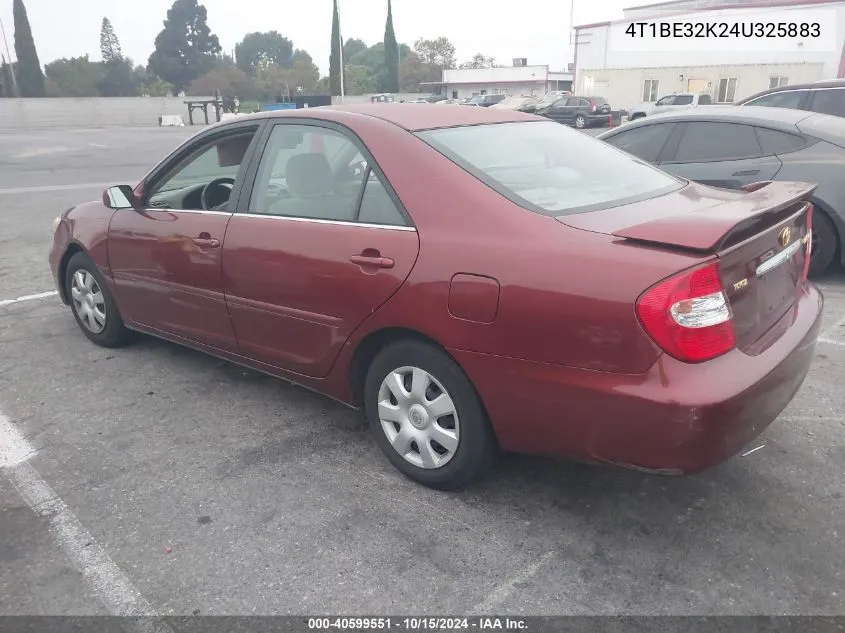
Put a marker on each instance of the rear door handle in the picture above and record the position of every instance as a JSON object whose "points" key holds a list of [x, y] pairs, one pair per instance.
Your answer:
{"points": [[378, 262], [207, 242], [750, 172]]}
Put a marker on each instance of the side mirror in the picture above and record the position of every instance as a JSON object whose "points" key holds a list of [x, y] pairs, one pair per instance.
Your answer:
{"points": [[119, 197]]}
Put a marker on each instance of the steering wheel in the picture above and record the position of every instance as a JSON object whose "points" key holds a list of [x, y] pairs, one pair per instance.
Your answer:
{"points": [[217, 182]]}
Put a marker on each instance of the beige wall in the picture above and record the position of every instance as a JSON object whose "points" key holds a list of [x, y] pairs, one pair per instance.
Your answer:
{"points": [[623, 88]]}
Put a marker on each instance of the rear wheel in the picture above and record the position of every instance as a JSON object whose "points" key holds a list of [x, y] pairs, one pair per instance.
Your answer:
{"points": [[426, 416], [824, 243], [92, 303]]}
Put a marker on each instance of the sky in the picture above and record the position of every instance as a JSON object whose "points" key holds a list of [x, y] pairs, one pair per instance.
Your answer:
{"points": [[540, 33]]}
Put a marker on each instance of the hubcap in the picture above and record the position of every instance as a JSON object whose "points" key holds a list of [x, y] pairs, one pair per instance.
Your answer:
{"points": [[579, 122], [418, 417], [88, 301]]}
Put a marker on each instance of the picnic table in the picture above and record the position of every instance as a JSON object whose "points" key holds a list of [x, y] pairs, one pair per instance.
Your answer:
{"points": [[202, 104]]}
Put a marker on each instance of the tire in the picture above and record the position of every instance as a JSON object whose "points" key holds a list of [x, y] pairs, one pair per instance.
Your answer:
{"points": [[106, 330], [472, 448], [580, 122], [824, 243]]}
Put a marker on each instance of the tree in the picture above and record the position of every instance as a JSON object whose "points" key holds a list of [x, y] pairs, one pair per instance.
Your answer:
{"points": [[75, 76], [29, 74], [185, 49], [119, 79], [300, 55], [258, 50], [231, 81], [391, 54], [359, 80], [334, 57], [149, 85], [439, 52], [413, 72], [479, 61], [373, 58], [352, 47], [7, 80], [109, 44]]}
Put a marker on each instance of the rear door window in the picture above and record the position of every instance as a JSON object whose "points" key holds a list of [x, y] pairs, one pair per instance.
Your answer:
{"points": [[683, 100], [707, 141], [705, 100], [643, 142], [829, 101]]}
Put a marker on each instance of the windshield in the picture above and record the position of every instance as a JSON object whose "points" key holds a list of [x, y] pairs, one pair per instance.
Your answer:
{"points": [[549, 168]]}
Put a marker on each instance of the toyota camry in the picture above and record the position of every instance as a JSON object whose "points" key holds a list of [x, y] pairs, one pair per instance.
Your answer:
{"points": [[476, 280]]}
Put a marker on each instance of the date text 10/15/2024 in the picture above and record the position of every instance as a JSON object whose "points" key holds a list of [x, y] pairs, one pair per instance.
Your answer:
{"points": [[417, 624]]}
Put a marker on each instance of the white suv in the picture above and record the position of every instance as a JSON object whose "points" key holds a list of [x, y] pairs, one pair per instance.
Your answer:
{"points": [[670, 102]]}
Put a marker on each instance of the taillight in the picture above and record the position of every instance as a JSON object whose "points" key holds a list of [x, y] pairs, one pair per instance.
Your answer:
{"points": [[688, 315], [808, 238]]}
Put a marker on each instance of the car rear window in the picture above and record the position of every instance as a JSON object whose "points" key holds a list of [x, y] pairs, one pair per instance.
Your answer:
{"points": [[549, 168]]}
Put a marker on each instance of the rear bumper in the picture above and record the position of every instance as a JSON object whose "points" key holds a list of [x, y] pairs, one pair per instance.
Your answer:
{"points": [[676, 418]]}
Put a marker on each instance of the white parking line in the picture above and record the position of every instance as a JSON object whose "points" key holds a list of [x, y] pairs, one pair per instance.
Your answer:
{"points": [[40, 295], [495, 598], [111, 585]]}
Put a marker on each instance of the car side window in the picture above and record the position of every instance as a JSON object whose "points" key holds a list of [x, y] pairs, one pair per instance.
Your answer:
{"points": [[313, 172], [307, 172], [643, 142], [667, 100], [777, 142], [829, 101], [705, 99], [377, 207], [182, 184], [707, 141], [683, 100], [790, 99]]}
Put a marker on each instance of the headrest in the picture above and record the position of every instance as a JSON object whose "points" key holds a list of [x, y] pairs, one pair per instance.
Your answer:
{"points": [[308, 175]]}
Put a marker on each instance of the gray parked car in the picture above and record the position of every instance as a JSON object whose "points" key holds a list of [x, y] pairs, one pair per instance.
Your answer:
{"points": [[735, 146]]}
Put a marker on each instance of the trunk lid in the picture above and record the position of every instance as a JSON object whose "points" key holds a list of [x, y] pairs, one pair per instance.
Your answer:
{"points": [[759, 236]]}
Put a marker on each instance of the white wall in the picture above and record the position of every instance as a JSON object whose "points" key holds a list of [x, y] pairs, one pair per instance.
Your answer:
{"points": [[509, 74], [512, 89], [623, 88], [609, 46], [94, 112]]}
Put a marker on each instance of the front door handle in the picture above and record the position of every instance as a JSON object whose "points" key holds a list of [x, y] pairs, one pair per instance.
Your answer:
{"points": [[750, 172], [372, 261], [207, 242]]}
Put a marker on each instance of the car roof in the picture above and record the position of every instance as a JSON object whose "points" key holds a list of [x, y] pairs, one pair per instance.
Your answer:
{"points": [[815, 85], [413, 117], [760, 115]]}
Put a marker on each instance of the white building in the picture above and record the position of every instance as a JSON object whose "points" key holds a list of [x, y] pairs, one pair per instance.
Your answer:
{"points": [[622, 61], [517, 80]]}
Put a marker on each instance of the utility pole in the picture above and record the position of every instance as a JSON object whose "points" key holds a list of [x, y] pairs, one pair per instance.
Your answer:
{"points": [[11, 65], [340, 48]]}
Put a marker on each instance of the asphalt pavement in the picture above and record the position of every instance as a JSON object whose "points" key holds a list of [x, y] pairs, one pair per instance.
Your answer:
{"points": [[154, 479]]}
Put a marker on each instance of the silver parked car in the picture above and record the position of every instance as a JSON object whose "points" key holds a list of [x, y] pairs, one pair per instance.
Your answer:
{"points": [[735, 146]]}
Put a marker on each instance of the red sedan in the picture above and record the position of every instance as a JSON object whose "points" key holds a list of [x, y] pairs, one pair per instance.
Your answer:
{"points": [[477, 279]]}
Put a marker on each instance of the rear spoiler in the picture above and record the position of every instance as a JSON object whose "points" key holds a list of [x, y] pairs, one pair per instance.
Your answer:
{"points": [[720, 226]]}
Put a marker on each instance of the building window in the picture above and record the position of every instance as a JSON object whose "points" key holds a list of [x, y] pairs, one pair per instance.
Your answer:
{"points": [[650, 87], [777, 82], [454, 94], [727, 90]]}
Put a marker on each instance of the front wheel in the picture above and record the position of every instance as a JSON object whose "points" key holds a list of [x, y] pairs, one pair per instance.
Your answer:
{"points": [[580, 121], [426, 416], [92, 303]]}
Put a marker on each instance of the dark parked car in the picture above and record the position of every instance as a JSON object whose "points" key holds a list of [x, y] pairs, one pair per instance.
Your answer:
{"points": [[732, 147], [555, 296], [578, 111], [824, 97]]}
